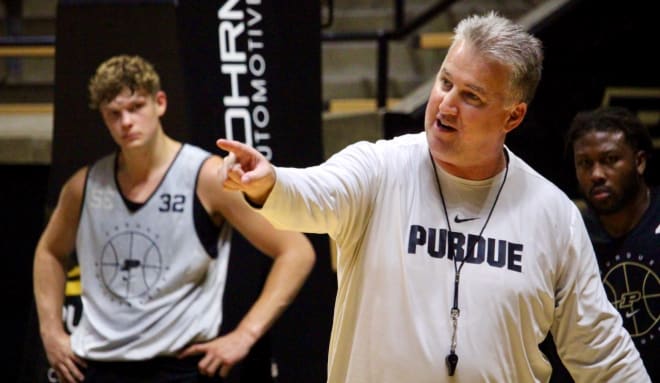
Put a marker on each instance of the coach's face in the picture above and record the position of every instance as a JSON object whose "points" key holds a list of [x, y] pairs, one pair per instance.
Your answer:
{"points": [[470, 110]]}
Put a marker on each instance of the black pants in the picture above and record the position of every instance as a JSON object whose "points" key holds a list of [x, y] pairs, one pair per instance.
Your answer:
{"points": [[157, 370]]}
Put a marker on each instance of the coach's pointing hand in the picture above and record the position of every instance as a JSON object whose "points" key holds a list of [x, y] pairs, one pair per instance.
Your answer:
{"points": [[247, 170]]}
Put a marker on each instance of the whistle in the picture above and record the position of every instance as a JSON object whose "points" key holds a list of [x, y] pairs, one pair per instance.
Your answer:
{"points": [[452, 361]]}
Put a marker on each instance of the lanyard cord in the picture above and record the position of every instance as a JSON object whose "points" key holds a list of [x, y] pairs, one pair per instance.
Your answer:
{"points": [[452, 358]]}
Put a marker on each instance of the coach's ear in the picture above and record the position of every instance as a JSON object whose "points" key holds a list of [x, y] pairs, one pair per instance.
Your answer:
{"points": [[516, 115]]}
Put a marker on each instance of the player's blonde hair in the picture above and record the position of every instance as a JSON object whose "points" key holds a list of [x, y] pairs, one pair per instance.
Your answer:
{"points": [[119, 72]]}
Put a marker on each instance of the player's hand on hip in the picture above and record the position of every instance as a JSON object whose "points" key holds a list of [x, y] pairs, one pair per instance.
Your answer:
{"points": [[62, 359], [247, 170], [220, 354]]}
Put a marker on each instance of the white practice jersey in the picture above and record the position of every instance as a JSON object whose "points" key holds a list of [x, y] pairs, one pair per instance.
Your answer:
{"points": [[149, 286], [532, 271]]}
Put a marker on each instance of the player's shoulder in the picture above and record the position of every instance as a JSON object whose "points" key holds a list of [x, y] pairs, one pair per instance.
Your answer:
{"points": [[192, 155], [208, 178], [74, 186]]}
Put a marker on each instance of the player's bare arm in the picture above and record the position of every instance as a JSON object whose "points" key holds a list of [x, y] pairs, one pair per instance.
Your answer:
{"points": [[50, 267], [293, 260]]}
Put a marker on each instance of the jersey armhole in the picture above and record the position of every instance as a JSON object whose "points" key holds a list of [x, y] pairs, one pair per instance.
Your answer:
{"points": [[207, 231]]}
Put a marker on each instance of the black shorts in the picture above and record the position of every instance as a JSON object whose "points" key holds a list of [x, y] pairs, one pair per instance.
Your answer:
{"points": [[157, 370]]}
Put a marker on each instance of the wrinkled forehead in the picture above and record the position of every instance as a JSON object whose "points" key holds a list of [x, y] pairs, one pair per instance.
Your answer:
{"points": [[467, 66]]}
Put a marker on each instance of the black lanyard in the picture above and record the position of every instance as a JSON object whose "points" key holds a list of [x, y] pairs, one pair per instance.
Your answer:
{"points": [[452, 358]]}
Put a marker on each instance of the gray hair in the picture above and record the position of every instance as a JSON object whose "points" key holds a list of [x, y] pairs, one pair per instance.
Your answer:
{"points": [[508, 43]]}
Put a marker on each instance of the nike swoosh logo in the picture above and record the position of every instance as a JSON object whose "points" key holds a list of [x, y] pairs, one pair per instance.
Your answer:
{"points": [[461, 220], [631, 314]]}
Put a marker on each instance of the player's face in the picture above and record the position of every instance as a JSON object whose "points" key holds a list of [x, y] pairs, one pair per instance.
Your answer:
{"points": [[470, 110], [133, 118], [608, 170]]}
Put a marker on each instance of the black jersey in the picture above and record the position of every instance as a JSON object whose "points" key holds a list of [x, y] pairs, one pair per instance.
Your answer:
{"points": [[630, 269]]}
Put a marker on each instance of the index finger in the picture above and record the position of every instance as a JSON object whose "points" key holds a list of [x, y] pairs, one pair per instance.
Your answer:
{"points": [[230, 145]]}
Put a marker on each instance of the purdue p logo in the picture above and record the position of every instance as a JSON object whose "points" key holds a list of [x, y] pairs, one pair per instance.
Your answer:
{"points": [[633, 288]]}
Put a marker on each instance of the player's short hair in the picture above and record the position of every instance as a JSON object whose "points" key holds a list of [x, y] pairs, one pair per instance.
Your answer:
{"points": [[120, 72], [610, 119]]}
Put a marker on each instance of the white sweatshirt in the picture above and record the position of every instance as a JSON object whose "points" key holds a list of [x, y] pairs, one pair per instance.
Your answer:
{"points": [[533, 271]]}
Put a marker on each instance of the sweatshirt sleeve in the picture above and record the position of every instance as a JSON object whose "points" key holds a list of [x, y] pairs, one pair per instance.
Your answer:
{"points": [[334, 198], [588, 331]]}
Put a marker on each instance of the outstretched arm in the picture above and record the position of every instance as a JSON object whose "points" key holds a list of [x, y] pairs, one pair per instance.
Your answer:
{"points": [[293, 260], [50, 262], [247, 170]]}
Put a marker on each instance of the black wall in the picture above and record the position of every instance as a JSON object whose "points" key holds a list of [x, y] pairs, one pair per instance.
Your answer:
{"points": [[23, 193]]}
